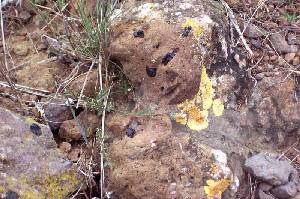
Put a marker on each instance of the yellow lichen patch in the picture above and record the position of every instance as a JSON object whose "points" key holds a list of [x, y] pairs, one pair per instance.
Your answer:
{"points": [[196, 27], [206, 90], [29, 120], [58, 187], [194, 112], [214, 189], [218, 107]]}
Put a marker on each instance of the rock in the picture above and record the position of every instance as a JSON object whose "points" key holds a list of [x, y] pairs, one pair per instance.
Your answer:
{"points": [[89, 122], [74, 154], [252, 31], [289, 57], [31, 165], [265, 187], [259, 76], [255, 43], [293, 39], [296, 61], [285, 191], [57, 112], [263, 195], [65, 147], [269, 169], [90, 89], [281, 45], [25, 16]]}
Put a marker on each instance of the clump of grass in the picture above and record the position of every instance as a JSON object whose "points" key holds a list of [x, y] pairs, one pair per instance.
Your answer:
{"points": [[95, 36], [290, 18], [98, 103]]}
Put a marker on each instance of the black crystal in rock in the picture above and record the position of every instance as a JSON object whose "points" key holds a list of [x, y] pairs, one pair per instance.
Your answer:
{"points": [[186, 31], [130, 132], [151, 72], [138, 34], [35, 129]]}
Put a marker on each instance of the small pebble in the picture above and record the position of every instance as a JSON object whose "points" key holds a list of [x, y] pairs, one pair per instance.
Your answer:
{"points": [[11, 195], [289, 57], [130, 132], [255, 43], [35, 129], [296, 61], [151, 72], [259, 76], [139, 34]]}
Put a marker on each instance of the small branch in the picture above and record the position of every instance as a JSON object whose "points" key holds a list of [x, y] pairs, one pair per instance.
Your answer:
{"points": [[236, 26]]}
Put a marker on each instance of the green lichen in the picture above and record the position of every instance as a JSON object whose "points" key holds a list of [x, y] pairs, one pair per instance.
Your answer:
{"points": [[49, 187]]}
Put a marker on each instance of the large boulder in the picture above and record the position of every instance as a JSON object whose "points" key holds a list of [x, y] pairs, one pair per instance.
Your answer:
{"points": [[31, 165]]}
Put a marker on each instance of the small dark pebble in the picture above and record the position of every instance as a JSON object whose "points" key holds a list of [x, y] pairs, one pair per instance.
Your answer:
{"points": [[35, 129], [11, 195], [151, 72], [169, 56], [139, 34], [130, 132], [186, 31], [256, 43]]}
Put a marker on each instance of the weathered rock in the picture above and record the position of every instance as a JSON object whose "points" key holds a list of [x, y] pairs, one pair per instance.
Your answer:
{"points": [[65, 147], [254, 31], [263, 195], [269, 169], [281, 45], [90, 89], [56, 112], [89, 122], [285, 191], [289, 57], [30, 163]]}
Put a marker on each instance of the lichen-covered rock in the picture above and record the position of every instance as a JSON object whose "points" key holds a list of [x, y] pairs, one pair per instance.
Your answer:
{"points": [[31, 165]]}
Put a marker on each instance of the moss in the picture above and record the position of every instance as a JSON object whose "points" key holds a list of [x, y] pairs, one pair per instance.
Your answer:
{"points": [[194, 112]]}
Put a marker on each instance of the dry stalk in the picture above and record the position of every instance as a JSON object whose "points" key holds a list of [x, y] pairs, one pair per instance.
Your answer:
{"points": [[236, 26]]}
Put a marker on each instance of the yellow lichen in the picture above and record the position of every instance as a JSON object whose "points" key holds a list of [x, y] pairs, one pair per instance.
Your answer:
{"points": [[58, 187], [206, 90], [194, 112], [196, 27], [218, 107], [214, 189], [29, 120]]}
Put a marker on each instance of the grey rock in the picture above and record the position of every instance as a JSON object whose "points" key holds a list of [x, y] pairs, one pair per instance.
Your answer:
{"points": [[263, 195], [265, 187], [281, 45], [269, 169], [255, 43], [253, 31], [259, 76], [30, 164], [285, 191], [56, 112]]}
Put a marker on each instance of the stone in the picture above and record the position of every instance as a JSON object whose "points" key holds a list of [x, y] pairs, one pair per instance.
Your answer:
{"points": [[263, 195], [293, 39], [31, 166], [269, 169], [285, 191], [25, 16], [289, 57], [281, 45], [296, 61], [65, 147], [255, 43], [74, 154], [56, 112], [259, 76], [253, 31], [89, 122], [90, 89]]}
